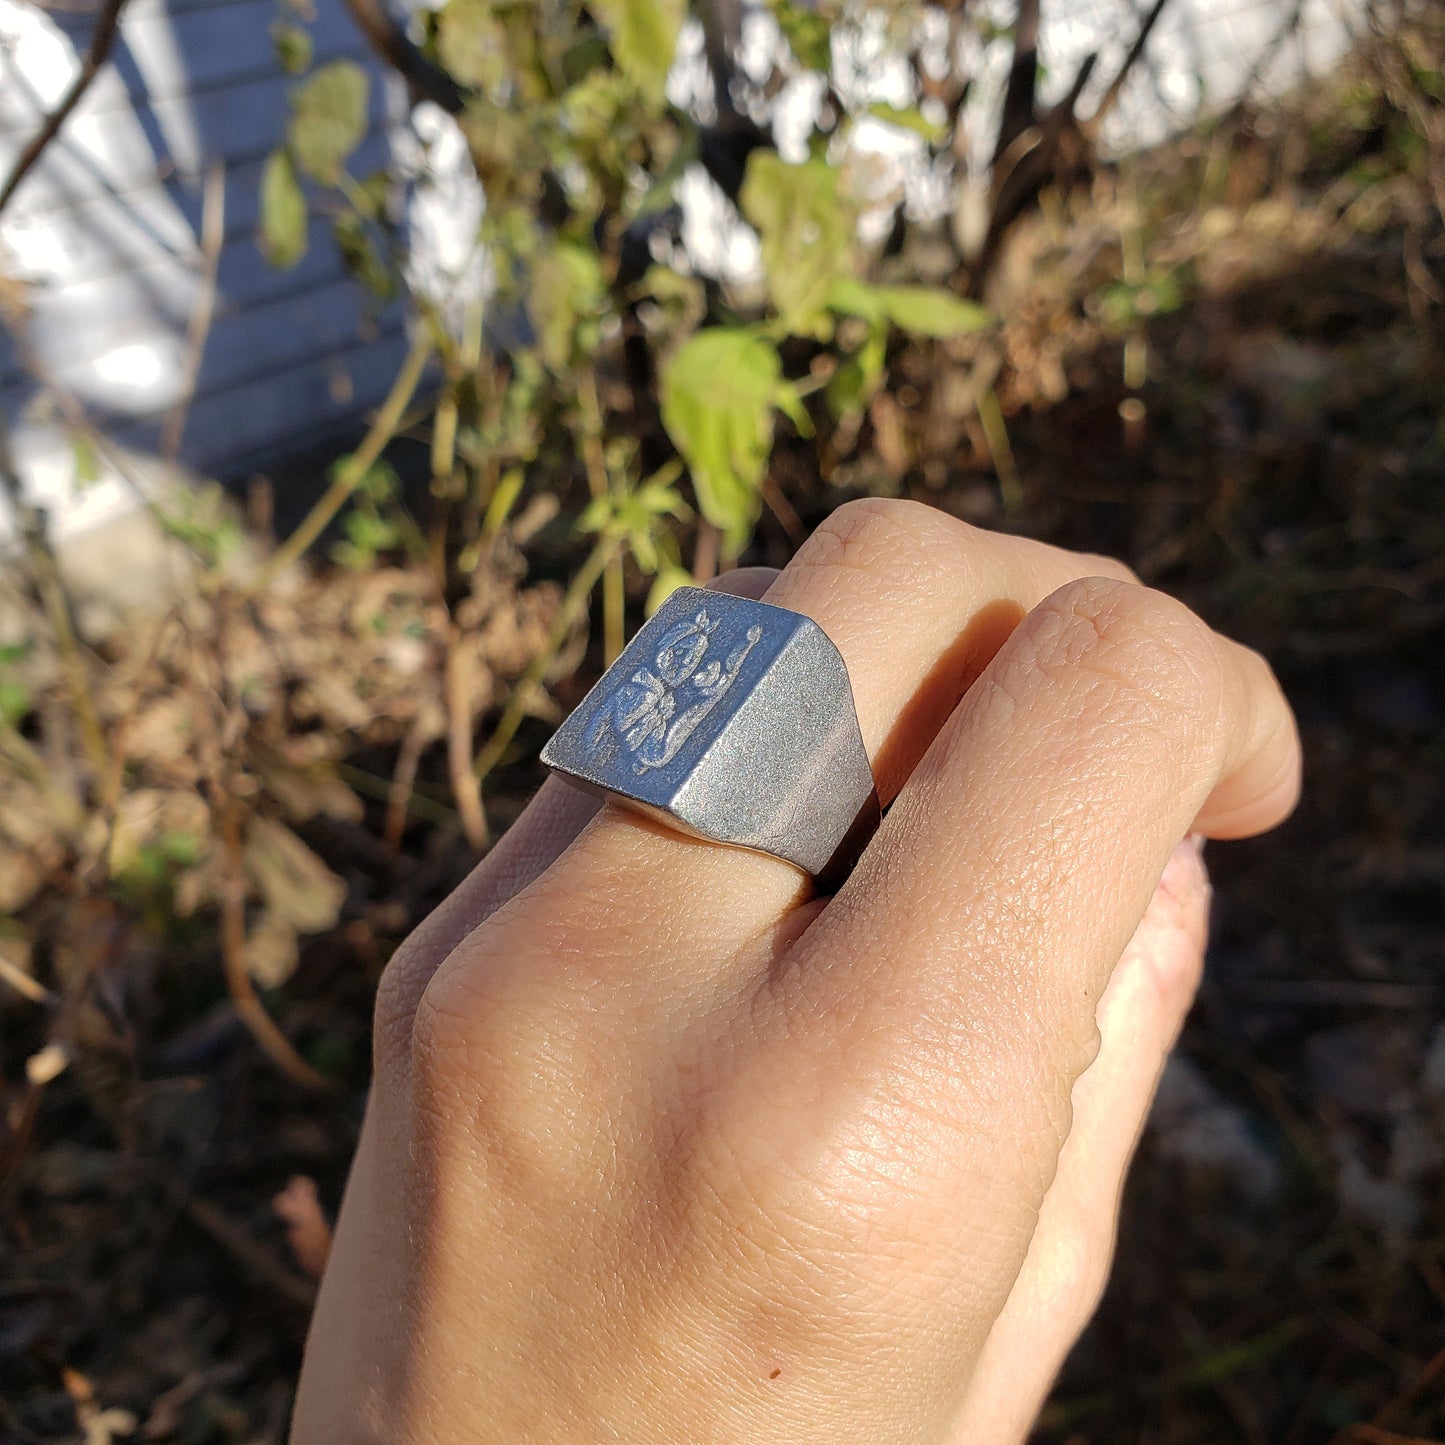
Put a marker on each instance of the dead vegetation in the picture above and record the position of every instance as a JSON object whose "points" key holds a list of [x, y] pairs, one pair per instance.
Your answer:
{"points": [[1224, 361]]}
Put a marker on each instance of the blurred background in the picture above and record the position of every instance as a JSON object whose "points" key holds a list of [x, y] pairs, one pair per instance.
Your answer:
{"points": [[366, 376]]}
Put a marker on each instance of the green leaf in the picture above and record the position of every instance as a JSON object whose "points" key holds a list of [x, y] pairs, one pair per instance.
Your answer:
{"points": [[15, 702], [471, 43], [87, 460], [852, 297], [670, 576], [718, 394], [852, 386], [921, 310], [328, 119], [367, 534], [362, 257], [907, 118], [808, 33], [567, 299], [372, 195], [643, 35], [638, 516], [283, 212], [931, 311], [806, 234], [293, 47]]}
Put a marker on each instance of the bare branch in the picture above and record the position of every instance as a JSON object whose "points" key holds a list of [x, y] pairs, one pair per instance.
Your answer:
{"points": [[1018, 101], [213, 236], [722, 29], [427, 80], [1111, 95], [102, 39]]}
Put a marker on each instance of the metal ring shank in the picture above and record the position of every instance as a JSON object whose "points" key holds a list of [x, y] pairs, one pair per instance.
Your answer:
{"points": [[731, 720]]}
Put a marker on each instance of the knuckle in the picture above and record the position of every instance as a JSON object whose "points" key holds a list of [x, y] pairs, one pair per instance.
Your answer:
{"points": [[878, 534], [398, 992], [1151, 653], [504, 1071]]}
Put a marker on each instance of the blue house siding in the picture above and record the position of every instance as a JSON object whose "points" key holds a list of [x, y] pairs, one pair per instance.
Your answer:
{"points": [[105, 234]]}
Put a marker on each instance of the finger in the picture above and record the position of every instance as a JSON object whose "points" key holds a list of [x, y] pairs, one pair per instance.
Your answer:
{"points": [[544, 829], [916, 602], [943, 1005], [1067, 1265]]}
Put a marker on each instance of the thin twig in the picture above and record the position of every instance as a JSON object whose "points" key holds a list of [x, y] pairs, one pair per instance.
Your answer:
{"points": [[353, 471], [264, 1029], [259, 1263], [25, 985], [1111, 95], [418, 804], [1017, 114], [22, 755], [220, 745], [1428, 1378], [705, 554], [403, 780], [102, 39], [466, 786], [75, 414], [995, 431], [572, 604], [1374, 1435], [213, 236], [779, 505], [594, 459], [426, 80]]}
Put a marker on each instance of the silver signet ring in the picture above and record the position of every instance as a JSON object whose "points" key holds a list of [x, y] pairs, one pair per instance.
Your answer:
{"points": [[731, 720]]}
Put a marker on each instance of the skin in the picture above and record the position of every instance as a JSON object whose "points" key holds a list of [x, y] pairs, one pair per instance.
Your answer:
{"points": [[662, 1148]]}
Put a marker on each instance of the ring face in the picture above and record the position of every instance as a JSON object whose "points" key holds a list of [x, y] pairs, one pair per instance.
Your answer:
{"points": [[731, 720]]}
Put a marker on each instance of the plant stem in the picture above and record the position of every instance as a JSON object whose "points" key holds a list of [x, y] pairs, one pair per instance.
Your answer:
{"points": [[351, 474], [251, 1011], [466, 785], [996, 434], [102, 40], [19, 754], [50, 589], [426, 808], [614, 603], [605, 550], [614, 595], [198, 328]]}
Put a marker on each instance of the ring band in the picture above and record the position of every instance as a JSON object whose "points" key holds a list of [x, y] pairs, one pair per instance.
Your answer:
{"points": [[731, 720]]}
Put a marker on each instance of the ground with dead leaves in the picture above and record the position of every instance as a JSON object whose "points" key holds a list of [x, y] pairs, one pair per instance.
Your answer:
{"points": [[1224, 363]]}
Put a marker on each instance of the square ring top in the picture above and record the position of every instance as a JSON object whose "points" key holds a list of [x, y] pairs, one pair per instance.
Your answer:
{"points": [[733, 720]]}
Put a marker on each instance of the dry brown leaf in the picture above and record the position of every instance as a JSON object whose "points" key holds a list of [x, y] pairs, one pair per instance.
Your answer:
{"points": [[296, 887], [21, 877], [307, 1231], [272, 951], [47, 1064], [147, 816], [304, 790]]}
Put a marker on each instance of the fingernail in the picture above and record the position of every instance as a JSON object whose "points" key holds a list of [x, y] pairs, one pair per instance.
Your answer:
{"points": [[1196, 841]]}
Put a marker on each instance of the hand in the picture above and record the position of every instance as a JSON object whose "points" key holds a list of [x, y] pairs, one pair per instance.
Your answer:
{"points": [[662, 1148]]}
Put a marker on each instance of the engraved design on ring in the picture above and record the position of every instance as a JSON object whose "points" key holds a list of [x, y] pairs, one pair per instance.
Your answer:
{"points": [[645, 714], [730, 720]]}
